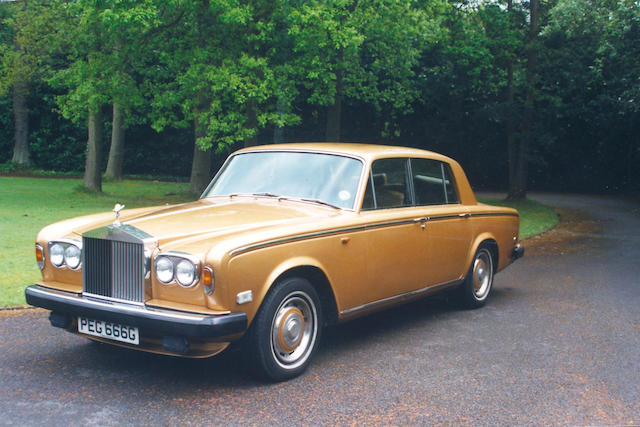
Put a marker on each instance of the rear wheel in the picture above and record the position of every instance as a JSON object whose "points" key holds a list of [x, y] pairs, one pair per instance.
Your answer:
{"points": [[286, 331], [476, 287]]}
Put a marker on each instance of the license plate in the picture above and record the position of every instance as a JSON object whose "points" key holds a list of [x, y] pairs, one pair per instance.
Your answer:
{"points": [[112, 331]]}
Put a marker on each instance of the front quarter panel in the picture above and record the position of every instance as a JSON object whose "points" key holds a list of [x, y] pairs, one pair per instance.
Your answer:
{"points": [[342, 263]]}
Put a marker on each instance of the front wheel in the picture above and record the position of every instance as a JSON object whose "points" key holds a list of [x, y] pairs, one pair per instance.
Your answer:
{"points": [[286, 331], [476, 287]]}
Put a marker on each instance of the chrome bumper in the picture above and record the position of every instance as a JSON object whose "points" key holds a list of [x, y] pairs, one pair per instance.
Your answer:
{"points": [[159, 321], [518, 252]]}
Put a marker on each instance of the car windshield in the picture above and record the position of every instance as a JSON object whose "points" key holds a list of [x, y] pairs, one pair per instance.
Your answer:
{"points": [[315, 177]]}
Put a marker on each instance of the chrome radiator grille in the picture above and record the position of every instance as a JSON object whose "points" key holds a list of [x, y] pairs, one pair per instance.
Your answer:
{"points": [[113, 269]]}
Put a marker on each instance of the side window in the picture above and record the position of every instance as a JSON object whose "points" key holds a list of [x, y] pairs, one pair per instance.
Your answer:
{"points": [[452, 193], [390, 183], [367, 201], [433, 182]]}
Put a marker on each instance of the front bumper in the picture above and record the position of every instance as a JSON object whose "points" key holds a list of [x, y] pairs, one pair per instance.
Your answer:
{"points": [[158, 321]]}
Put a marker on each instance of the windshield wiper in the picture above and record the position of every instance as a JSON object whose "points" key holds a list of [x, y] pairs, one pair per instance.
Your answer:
{"points": [[265, 194], [321, 202]]}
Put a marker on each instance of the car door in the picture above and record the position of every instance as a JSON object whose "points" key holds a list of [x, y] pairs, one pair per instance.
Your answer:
{"points": [[448, 229], [396, 241]]}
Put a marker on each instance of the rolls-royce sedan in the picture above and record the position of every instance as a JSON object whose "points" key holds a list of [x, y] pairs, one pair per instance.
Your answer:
{"points": [[286, 239]]}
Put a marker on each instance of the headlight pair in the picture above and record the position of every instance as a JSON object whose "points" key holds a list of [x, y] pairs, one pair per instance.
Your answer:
{"points": [[178, 268], [67, 253]]}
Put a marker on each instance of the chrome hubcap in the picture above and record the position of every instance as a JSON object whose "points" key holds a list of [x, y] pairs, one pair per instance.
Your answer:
{"points": [[482, 274], [293, 330], [290, 329]]}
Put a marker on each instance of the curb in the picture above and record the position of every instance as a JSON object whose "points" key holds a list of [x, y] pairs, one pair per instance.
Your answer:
{"points": [[18, 307]]}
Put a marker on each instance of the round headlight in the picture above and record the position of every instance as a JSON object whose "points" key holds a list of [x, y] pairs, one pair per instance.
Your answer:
{"points": [[56, 253], [164, 269], [72, 256], [185, 273]]}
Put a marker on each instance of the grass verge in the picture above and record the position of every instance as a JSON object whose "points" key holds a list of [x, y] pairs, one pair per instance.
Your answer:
{"points": [[28, 204], [535, 218]]}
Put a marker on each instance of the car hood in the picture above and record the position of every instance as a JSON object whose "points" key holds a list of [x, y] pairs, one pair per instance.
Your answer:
{"points": [[199, 225]]}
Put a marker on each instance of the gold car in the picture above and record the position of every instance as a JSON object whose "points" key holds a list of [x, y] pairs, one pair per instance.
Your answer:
{"points": [[286, 239]]}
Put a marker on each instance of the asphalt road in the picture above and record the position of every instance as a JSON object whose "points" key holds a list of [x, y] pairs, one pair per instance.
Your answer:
{"points": [[558, 343]]}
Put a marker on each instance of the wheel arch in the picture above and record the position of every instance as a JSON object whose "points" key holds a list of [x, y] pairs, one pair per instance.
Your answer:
{"points": [[315, 274], [320, 282], [488, 240]]}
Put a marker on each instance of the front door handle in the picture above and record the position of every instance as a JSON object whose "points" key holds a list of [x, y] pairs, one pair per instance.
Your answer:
{"points": [[423, 220], [464, 215]]}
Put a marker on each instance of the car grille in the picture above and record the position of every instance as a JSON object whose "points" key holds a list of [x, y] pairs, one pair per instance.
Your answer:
{"points": [[113, 269]]}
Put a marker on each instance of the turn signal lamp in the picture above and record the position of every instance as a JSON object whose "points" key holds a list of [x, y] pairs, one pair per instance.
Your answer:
{"points": [[40, 256], [207, 280]]}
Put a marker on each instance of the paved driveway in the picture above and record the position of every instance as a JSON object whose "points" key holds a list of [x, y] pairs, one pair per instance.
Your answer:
{"points": [[559, 343]]}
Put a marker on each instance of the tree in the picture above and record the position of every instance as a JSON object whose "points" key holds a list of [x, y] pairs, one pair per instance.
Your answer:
{"points": [[25, 50], [589, 72], [518, 187], [104, 44], [217, 76], [350, 50]]}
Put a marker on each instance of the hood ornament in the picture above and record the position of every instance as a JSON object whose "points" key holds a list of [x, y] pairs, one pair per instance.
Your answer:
{"points": [[117, 208]]}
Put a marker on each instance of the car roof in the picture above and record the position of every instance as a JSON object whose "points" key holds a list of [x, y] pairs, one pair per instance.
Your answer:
{"points": [[364, 151]]}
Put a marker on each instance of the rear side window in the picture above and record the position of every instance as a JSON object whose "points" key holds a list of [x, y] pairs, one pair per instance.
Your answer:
{"points": [[433, 182]]}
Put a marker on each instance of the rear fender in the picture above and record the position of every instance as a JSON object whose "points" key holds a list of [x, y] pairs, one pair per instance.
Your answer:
{"points": [[477, 242]]}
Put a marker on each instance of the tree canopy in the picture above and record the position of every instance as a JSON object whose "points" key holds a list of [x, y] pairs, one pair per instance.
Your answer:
{"points": [[526, 94]]}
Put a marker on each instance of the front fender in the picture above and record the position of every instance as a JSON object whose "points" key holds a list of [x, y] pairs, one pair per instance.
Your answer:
{"points": [[259, 271]]}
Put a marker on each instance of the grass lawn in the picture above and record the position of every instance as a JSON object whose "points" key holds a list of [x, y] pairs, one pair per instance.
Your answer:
{"points": [[535, 218], [28, 204]]}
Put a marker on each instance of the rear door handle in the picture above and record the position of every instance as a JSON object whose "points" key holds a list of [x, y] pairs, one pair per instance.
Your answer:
{"points": [[423, 220], [464, 215]]}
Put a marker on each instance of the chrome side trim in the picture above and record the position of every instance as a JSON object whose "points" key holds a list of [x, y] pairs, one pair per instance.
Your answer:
{"points": [[274, 242], [495, 214], [293, 239], [423, 291], [389, 224]]}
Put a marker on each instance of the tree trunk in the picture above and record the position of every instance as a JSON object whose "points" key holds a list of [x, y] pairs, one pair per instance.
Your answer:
{"points": [[116, 152], [92, 176], [512, 144], [334, 112], [21, 153], [519, 190], [201, 165], [252, 123]]}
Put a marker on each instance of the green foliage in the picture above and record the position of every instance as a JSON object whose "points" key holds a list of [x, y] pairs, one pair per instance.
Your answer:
{"points": [[364, 51], [222, 67], [589, 90], [105, 46], [28, 204], [427, 73], [535, 218]]}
